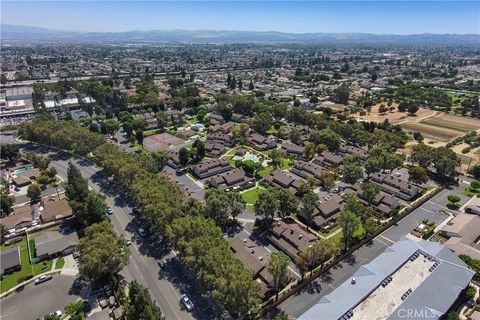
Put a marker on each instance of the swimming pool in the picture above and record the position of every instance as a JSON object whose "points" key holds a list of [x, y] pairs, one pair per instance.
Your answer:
{"points": [[26, 168], [252, 157]]}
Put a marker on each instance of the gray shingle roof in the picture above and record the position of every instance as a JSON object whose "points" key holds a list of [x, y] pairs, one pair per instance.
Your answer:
{"points": [[437, 292]]}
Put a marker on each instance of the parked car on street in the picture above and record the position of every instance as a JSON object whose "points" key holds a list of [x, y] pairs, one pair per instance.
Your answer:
{"points": [[187, 302], [43, 279], [109, 211]]}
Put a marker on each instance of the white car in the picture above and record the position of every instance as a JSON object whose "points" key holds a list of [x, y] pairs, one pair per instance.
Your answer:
{"points": [[57, 313], [187, 302], [43, 279]]}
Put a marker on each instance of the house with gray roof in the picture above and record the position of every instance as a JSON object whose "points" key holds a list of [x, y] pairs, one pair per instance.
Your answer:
{"points": [[422, 276], [53, 243], [9, 260]]}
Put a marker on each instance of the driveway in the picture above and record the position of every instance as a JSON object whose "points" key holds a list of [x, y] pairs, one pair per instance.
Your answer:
{"points": [[34, 302]]}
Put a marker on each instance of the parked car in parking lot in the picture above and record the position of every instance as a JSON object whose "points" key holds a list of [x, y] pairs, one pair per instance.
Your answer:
{"points": [[43, 279], [187, 302]]}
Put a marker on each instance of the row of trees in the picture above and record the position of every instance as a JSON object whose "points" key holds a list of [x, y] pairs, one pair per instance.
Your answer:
{"points": [[88, 206], [188, 224], [66, 135], [444, 160]]}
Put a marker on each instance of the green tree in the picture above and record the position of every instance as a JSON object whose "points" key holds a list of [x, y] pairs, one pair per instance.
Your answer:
{"points": [[371, 226], [309, 204], [91, 210], [160, 158], [261, 122], [140, 305], [369, 191], [222, 205], [287, 203], [184, 156], [342, 94], [352, 172], [76, 187], [162, 120], [349, 222], [9, 151], [328, 179], [417, 174], [276, 158], [453, 200], [75, 310], [34, 192], [266, 204], [198, 148], [103, 252], [6, 204], [139, 136], [278, 268]]}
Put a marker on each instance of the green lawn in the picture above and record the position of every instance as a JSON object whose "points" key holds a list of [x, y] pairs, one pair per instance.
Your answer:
{"points": [[60, 263], [10, 280], [27, 270], [251, 195], [339, 236], [265, 171], [150, 132], [286, 164]]}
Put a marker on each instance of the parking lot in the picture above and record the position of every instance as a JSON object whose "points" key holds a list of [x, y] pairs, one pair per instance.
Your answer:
{"points": [[434, 210]]}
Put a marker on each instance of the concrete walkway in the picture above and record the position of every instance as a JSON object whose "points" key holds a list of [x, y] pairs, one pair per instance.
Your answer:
{"points": [[70, 267]]}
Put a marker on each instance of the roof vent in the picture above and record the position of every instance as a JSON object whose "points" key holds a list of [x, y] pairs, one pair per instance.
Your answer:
{"points": [[300, 236], [245, 240], [353, 281]]}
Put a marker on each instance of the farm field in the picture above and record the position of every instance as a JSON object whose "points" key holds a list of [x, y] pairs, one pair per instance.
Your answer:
{"points": [[452, 122], [432, 132]]}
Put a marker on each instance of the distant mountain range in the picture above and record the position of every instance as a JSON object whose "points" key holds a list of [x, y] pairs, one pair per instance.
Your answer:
{"points": [[26, 33]]}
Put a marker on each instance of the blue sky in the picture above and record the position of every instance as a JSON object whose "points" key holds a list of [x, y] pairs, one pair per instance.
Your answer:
{"points": [[398, 17]]}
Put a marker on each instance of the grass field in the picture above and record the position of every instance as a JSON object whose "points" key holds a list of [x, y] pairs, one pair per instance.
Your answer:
{"points": [[431, 132], [452, 122], [251, 196]]}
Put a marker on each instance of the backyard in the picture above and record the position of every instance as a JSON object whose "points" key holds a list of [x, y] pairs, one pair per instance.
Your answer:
{"points": [[27, 270]]}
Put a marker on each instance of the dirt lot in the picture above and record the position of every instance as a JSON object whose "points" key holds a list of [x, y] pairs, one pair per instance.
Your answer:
{"points": [[395, 116], [438, 128]]}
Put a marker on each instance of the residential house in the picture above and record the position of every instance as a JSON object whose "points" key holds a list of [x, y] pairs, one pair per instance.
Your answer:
{"points": [[9, 261], [327, 211], [307, 169], [234, 179], [55, 210], [20, 218], [261, 143], [53, 243], [328, 159], [290, 237], [396, 186], [290, 149], [208, 168], [250, 255], [285, 180]]}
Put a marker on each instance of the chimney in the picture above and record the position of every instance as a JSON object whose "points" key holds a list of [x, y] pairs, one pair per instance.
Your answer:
{"points": [[291, 231]]}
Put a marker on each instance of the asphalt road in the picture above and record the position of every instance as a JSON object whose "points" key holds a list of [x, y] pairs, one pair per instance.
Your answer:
{"points": [[143, 265], [36, 301]]}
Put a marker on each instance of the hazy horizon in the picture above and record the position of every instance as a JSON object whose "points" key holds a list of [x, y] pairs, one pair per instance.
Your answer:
{"points": [[377, 17]]}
